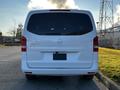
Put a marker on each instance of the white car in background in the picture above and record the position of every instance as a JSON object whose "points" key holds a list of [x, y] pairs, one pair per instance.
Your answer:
{"points": [[59, 42]]}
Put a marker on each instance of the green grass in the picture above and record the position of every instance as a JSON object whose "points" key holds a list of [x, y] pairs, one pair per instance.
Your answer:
{"points": [[109, 63]]}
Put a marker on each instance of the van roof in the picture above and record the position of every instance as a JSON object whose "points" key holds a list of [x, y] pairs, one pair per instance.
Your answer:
{"points": [[60, 10]]}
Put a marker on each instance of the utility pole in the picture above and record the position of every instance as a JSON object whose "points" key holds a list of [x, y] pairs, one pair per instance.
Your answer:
{"points": [[106, 18], [106, 15]]}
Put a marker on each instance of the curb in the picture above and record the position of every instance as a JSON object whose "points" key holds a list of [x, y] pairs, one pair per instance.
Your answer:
{"points": [[111, 85]]}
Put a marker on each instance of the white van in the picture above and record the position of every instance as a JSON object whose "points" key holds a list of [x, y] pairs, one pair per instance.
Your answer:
{"points": [[59, 42]]}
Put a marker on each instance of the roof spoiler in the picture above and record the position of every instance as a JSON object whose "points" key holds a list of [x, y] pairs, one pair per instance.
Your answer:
{"points": [[59, 10]]}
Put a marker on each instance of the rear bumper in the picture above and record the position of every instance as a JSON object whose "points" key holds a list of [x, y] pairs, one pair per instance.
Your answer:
{"points": [[59, 71]]}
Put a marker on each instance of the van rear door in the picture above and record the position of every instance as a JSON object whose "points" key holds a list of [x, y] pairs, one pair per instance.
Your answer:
{"points": [[60, 40]]}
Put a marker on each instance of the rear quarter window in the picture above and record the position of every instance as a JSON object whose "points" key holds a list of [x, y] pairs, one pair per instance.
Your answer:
{"points": [[59, 24]]}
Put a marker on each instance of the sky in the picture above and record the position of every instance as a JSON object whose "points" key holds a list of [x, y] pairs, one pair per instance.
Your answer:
{"points": [[13, 12]]}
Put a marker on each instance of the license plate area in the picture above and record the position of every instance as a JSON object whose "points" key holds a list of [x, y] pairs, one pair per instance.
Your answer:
{"points": [[59, 56]]}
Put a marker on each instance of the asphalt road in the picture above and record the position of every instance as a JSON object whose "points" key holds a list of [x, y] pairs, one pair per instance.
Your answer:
{"points": [[11, 77]]}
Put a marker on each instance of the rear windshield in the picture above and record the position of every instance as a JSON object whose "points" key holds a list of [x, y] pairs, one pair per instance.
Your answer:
{"points": [[59, 24]]}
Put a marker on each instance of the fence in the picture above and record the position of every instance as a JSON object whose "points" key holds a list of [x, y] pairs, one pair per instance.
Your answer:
{"points": [[110, 39]]}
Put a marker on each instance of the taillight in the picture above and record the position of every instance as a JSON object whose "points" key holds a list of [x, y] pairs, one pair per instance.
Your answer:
{"points": [[95, 44], [23, 44]]}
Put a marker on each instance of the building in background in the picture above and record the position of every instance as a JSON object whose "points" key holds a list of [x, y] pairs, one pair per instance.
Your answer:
{"points": [[110, 38]]}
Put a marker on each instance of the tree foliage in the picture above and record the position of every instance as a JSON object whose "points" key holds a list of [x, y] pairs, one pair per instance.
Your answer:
{"points": [[19, 31], [0, 33]]}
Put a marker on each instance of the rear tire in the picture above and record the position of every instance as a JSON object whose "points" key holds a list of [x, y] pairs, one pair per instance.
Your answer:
{"points": [[88, 77], [30, 77]]}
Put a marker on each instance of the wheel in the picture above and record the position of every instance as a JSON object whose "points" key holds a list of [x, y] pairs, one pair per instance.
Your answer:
{"points": [[30, 77], [88, 77]]}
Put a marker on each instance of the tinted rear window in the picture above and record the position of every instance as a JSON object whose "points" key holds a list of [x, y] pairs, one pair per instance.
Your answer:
{"points": [[59, 24]]}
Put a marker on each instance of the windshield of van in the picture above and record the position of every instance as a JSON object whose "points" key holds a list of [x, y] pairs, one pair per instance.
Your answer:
{"points": [[59, 24]]}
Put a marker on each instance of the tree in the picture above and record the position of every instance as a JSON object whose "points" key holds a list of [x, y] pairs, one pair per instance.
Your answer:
{"points": [[1, 39], [0, 33], [19, 31]]}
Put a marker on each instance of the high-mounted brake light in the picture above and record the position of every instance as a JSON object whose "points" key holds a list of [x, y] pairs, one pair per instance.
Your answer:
{"points": [[23, 44], [95, 44], [59, 10]]}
